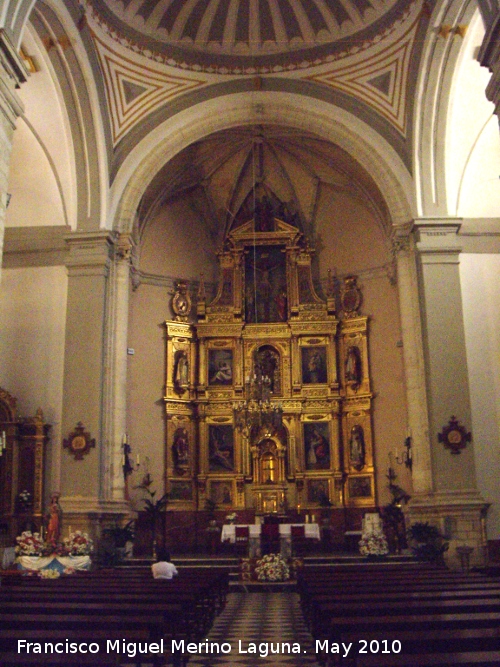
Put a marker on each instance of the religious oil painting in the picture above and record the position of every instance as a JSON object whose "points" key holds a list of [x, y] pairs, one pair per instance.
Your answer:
{"points": [[317, 491], [221, 448], [314, 365], [360, 487], [180, 490], [221, 493], [317, 445], [265, 280], [220, 367]]}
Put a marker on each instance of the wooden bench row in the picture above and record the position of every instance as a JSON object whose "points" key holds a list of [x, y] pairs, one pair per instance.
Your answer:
{"points": [[96, 609], [407, 618]]}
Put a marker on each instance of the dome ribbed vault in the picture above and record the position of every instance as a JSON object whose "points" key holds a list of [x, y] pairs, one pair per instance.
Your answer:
{"points": [[273, 30]]}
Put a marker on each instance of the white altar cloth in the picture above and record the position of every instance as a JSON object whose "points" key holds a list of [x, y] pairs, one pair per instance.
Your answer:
{"points": [[60, 563], [228, 534]]}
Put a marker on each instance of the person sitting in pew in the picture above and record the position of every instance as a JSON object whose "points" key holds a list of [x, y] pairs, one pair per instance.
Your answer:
{"points": [[163, 568]]}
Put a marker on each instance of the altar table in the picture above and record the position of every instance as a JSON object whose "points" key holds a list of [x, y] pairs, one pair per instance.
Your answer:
{"points": [[311, 531]]}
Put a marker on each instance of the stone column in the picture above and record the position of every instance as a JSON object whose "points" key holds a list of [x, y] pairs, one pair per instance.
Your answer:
{"points": [[84, 482], [12, 74], [414, 363], [455, 504]]}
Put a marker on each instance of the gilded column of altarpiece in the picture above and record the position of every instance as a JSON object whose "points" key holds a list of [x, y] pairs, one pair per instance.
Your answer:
{"points": [[268, 398]]}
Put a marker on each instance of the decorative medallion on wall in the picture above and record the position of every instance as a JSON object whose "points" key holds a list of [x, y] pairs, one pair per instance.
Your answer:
{"points": [[79, 442], [454, 436]]}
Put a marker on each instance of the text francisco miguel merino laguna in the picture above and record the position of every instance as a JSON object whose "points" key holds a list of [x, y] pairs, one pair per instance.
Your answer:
{"points": [[131, 649]]}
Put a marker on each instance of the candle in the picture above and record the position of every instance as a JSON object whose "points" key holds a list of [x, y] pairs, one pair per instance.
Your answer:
{"points": [[41, 532], [4, 438], [124, 440], [138, 460]]}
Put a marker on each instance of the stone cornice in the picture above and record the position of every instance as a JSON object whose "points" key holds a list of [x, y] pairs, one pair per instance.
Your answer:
{"points": [[35, 246], [89, 252]]}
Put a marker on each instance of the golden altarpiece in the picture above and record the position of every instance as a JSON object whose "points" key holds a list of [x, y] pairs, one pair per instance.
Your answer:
{"points": [[268, 399], [23, 443]]}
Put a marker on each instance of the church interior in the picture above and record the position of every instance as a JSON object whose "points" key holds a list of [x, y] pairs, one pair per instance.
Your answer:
{"points": [[250, 267]]}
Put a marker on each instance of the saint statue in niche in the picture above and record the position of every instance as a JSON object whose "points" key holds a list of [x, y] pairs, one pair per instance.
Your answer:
{"points": [[353, 366], [267, 365], [357, 447], [181, 371], [180, 448]]}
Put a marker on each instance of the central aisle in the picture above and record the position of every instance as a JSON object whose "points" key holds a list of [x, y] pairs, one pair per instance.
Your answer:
{"points": [[269, 618]]}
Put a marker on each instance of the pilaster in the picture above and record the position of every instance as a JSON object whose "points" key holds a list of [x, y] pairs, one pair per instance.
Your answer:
{"points": [[454, 504], [414, 362], [115, 378], [87, 359], [439, 251]]}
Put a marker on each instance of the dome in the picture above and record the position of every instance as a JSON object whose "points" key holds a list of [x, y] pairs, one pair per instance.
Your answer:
{"points": [[272, 33]]}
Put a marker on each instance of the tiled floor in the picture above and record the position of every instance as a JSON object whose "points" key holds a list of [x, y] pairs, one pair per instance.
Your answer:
{"points": [[267, 618]]}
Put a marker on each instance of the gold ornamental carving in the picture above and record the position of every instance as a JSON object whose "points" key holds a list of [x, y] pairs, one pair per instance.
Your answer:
{"points": [[181, 301], [351, 297], [275, 386]]}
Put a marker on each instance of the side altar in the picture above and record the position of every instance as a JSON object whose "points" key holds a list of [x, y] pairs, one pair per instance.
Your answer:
{"points": [[268, 399]]}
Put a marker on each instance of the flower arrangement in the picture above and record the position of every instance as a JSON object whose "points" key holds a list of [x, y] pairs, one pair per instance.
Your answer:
{"points": [[24, 498], [49, 574], [78, 544], [272, 567], [373, 544], [231, 517], [29, 544]]}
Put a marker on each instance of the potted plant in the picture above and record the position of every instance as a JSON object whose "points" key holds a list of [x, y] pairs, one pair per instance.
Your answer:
{"points": [[120, 537], [153, 508], [427, 543]]}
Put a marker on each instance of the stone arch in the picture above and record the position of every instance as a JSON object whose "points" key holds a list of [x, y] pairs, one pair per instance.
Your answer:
{"points": [[434, 88], [330, 123], [67, 83]]}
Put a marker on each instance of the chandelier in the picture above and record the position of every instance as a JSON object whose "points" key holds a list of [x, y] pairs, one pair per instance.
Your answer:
{"points": [[257, 410]]}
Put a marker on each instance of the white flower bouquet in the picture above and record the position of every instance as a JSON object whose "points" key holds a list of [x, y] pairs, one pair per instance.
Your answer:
{"points": [[373, 544], [78, 544], [272, 568], [29, 544], [231, 517]]}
